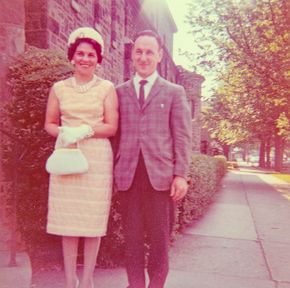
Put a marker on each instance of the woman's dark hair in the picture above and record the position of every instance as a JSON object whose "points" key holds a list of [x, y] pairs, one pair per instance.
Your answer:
{"points": [[150, 33], [72, 48]]}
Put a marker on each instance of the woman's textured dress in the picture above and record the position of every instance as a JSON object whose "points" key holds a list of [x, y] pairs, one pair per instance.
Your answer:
{"points": [[79, 204]]}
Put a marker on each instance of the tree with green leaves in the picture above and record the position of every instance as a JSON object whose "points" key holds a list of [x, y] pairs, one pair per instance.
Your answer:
{"points": [[246, 43]]}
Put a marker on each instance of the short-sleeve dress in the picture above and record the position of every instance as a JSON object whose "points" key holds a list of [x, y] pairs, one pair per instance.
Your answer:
{"points": [[79, 205]]}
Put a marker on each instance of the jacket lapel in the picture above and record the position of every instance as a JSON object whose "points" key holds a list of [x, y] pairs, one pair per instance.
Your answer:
{"points": [[158, 84], [131, 92]]}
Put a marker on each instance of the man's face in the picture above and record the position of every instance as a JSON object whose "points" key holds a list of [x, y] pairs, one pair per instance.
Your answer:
{"points": [[146, 54]]}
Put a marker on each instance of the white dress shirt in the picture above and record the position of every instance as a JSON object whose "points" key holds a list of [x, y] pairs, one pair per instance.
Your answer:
{"points": [[147, 88]]}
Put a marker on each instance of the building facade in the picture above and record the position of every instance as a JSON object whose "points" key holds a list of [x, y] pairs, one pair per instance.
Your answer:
{"points": [[47, 24]]}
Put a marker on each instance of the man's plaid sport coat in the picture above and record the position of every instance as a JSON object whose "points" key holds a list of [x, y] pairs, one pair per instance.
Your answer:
{"points": [[161, 130]]}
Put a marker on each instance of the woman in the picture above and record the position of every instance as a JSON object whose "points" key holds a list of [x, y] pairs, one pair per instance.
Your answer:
{"points": [[82, 111]]}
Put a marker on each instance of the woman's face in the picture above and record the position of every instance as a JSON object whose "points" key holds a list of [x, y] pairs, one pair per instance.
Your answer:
{"points": [[85, 59]]}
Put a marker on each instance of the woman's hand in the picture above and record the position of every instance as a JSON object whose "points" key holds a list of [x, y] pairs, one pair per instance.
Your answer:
{"points": [[70, 135]]}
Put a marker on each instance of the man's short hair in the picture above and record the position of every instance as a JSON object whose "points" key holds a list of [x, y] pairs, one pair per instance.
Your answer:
{"points": [[150, 33]]}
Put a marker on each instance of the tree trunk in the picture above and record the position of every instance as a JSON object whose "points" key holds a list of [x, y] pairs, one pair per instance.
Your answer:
{"points": [[262, 153], [245, 152], [278, 165], [226, 150], [268, 153]]}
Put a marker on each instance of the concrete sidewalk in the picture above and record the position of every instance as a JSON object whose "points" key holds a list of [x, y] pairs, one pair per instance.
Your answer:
{"points": [[242, 241], [18, 276]]}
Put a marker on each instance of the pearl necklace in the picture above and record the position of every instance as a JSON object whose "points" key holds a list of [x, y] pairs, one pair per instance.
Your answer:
{"points": [[83, 87]]}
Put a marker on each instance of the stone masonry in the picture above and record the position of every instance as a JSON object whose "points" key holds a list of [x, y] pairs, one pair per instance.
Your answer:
{"points": [[47, 23], [192, 83]]}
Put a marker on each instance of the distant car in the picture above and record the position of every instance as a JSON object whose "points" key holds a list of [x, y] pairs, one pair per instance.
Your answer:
{"points": [[254, 160]]}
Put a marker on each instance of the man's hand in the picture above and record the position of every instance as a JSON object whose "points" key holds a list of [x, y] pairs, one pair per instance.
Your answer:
{"points": [[179, 188]]}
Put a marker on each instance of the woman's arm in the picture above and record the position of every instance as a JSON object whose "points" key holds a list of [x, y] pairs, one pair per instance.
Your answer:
{"points": [[52, 115], [110, 125]]}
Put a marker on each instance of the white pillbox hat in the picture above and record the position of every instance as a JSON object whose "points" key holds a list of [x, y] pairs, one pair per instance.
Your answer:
{"points": [[86, 32]]}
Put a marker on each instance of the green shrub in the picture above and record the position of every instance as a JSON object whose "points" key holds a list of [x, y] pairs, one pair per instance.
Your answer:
{"points": [[112, 246], [221, 165], [31, 77], [205, 173]]}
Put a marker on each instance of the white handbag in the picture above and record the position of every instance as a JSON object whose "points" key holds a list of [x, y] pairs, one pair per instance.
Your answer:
{"points": [[65, 161]]}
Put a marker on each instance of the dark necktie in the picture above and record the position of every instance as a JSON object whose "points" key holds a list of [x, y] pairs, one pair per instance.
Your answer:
{"points": [[141, 92]]}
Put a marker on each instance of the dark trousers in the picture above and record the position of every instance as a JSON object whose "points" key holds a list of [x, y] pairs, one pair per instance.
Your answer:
{"points": [[146, 213]]}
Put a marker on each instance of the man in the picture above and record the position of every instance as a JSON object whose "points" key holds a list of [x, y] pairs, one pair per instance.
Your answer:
{"points": [[152, 160]]}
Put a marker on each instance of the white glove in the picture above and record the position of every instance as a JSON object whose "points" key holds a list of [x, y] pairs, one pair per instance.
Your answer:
{"points": [[70, 135]]}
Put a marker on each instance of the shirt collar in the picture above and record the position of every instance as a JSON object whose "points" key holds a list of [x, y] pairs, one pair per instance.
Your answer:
{"points": [[151, 79]]}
